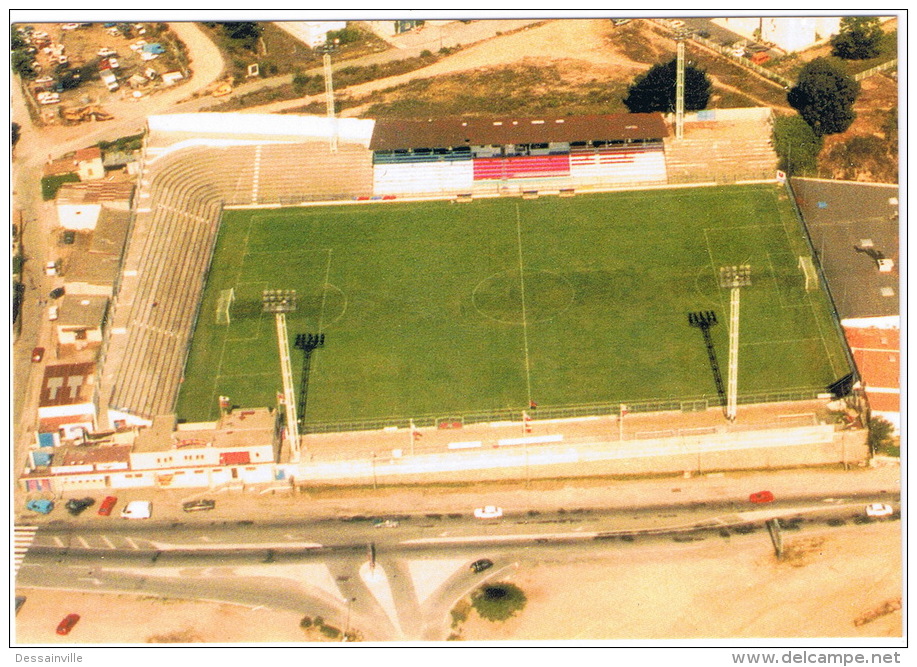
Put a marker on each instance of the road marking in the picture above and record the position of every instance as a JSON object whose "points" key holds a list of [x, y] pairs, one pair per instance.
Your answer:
{"points": [[23, 536], [82, 540], [132, 544], [108, 542]]}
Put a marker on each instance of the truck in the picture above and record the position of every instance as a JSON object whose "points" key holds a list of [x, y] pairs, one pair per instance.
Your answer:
{"points": [[108, 77]]}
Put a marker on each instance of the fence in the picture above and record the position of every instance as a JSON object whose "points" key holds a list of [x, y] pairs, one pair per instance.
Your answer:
{"points": [[835, 319], [688, 404], [739, 60], [891, 64]]}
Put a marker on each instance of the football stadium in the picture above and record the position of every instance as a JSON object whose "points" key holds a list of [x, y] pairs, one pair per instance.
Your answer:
{"points": [[461, 270]]}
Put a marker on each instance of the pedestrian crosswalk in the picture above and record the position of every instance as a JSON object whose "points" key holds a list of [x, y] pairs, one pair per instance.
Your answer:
{"points": [[22, 540]]}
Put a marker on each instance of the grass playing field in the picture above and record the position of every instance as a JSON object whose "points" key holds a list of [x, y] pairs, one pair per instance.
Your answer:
{"points": [[442, 309]]}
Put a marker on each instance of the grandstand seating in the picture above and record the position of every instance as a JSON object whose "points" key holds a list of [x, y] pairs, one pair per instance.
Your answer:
{"points": [[618, 165], [173, 235], [521, 166], [721, 152]]}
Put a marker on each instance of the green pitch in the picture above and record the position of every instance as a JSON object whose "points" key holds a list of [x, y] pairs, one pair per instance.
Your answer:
{"points": [[442, 309]]}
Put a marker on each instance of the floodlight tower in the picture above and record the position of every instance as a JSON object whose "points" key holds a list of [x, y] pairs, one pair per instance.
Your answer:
{"points": [[281, 302], [733, 278], [680, 85]]}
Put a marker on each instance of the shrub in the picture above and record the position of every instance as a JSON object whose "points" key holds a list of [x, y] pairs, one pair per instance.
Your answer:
{"points": [[498, 602], [880, 438], [51, 184]]}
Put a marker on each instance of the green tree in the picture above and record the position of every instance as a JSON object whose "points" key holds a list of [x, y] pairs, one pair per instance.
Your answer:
{"points": [[655, 90], [15, 132], [498, 602], [860, 38], [796, 145], [880, 438], [824, 95], [244, 32]]}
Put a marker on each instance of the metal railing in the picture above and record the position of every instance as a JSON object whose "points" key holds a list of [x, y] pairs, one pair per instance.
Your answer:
{"points": [[687, 404]]}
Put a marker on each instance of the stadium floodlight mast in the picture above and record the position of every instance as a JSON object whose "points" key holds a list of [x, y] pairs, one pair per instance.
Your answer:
{"points": [[280, 302], [734, 278], [680, 85], [327, 49]]}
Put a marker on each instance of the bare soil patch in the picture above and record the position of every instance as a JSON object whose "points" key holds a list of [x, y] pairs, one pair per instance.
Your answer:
{"points": [[714, 589]]}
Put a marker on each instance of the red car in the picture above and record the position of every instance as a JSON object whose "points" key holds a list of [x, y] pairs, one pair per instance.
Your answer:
{"points": [[107, 505], [761, 497], [65, 626], [38, 354]]}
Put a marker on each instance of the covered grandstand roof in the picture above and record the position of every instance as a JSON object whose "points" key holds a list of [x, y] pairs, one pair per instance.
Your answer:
{"points": [[467, 131]]}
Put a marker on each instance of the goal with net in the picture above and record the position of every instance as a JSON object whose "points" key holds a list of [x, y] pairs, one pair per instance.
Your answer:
{"points": [[224, 303]]}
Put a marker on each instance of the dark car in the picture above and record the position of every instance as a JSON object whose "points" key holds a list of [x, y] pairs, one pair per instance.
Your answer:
{"points": [[78, 505], [107, 505], [65, 626], [761, 497], [481, 565], [57, 292], [199, 505]]}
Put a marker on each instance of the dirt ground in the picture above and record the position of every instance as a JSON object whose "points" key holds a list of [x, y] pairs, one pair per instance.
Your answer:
{"points": [[827, 582]]}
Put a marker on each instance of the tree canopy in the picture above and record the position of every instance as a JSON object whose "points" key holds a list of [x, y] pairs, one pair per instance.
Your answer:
{"points": [[824, 95], [859, 39], [655, 90], [796, 145]]}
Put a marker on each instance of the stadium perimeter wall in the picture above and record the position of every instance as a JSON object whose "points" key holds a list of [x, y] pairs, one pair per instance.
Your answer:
{"points": [[761, 449]]}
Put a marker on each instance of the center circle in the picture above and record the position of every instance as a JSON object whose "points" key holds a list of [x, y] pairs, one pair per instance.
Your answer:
{"points": [[511, 297]]}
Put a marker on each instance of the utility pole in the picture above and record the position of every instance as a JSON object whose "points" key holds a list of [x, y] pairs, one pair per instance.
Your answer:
{"points": [[680, 86]]}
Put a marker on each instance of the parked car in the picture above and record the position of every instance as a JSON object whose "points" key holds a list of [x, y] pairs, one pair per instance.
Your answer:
{"points": [[878, 510], [57, 293], [77, 506], [38, 354], [41, 506], [137, 509], [52, 313], [51, 269], [761, 497], [66, 625], [106, 51], [481, 565], [70, 26], [488, 512], [388, 523], [108, 504], [199, 505]]}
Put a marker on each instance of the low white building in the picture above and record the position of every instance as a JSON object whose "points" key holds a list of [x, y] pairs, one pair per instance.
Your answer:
{"points": [[790, 33], [311, 33]]}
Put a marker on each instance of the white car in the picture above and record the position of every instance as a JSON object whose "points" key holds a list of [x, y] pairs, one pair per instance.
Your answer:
{"points": [[878, 510], [52, 313], [137, 509], [70, 26], [106, 51], [488, 512]]}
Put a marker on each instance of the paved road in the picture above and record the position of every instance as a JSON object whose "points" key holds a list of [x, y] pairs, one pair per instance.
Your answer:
{"points": [[388, 581]]}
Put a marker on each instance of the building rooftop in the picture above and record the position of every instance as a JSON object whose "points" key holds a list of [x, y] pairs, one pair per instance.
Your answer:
{"points": [[82, 311], [239, 428], [94, 192], [505, 130], [849, 222], [67, 384], [88, 154], [91, 454]]}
